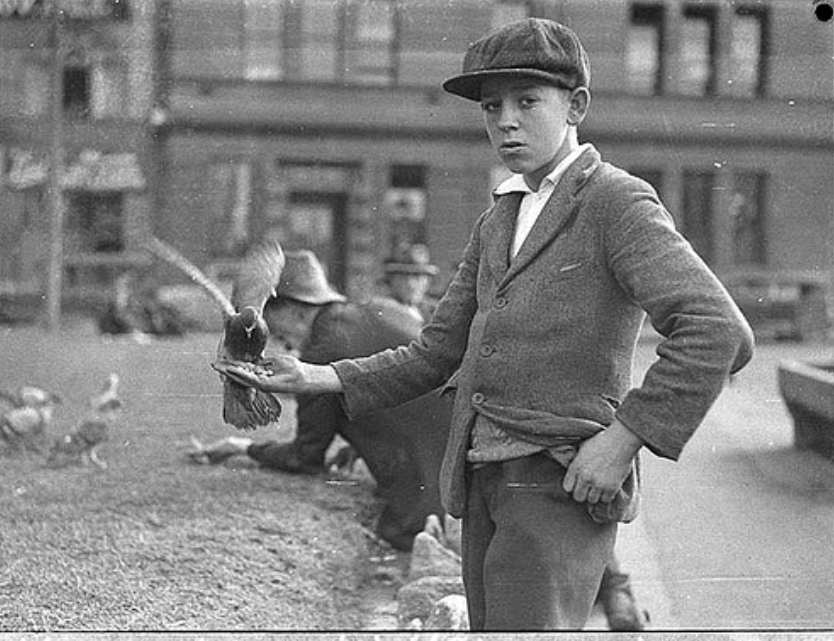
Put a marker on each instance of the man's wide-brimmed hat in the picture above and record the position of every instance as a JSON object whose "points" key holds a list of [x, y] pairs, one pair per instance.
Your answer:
{"points": [[535, 47], [410, 259], [303, 279]]}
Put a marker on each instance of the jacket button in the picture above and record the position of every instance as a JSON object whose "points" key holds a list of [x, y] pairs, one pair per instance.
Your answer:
{"points": [[477, 398], [500, 302], [487, 350]]}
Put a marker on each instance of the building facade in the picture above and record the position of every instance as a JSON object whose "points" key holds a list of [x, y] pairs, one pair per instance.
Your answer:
{"points": [[322, 123]]}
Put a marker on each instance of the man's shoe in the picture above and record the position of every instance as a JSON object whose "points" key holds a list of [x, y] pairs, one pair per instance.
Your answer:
{"points": [[622, 612]]}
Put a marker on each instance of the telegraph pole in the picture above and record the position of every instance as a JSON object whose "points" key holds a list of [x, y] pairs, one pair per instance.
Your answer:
{"points": [[55, 272]]}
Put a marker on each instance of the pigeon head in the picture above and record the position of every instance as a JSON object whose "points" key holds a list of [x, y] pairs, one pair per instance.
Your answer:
{"points": [[249, 317]]}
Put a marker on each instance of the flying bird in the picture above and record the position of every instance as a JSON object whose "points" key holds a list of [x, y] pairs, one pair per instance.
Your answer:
{"points": [[245, 332]]}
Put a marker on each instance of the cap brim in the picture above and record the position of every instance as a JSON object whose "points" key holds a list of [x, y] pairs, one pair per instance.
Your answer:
{"points": [[468, 85]]}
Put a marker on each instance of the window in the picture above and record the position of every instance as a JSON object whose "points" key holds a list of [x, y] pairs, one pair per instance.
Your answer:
{"points": [[405, 205], [263, 27], [370, 27], [698, 50], [321, 40], [747, 208], [747, 71], [698, 188], [36, 91], [95, 222], [644, 57], [228, 194], [506, 11], [76, 92], [319, 52], [107, 90]]}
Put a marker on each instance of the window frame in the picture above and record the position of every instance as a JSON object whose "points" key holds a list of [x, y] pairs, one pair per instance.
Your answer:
{"points": [[650, 14], [709, 13]]}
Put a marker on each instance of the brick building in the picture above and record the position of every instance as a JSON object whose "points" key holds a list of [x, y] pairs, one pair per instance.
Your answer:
{"points": [[322, 122]]}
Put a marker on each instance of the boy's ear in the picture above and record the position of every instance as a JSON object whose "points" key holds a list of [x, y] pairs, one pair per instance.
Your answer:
{"points": [[580, 100]]}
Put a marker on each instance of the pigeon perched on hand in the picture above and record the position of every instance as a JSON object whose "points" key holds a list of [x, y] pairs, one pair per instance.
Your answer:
{"points": [[245, 332]]}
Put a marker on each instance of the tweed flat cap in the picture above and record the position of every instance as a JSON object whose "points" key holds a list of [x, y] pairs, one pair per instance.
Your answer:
{"points": [[534, 47]]}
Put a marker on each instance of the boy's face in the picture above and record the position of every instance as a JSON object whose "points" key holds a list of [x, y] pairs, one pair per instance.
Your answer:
{"points": [[527, 123]]}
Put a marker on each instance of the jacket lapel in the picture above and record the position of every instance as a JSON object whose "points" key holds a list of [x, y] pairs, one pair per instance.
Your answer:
{"points": [[498, 231], [558, 211]]}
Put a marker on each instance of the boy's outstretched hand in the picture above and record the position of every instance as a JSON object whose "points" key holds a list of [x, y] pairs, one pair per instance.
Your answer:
{"points": [[282, 373]]}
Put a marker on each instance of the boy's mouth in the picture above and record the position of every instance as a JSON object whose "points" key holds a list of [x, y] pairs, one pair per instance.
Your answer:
{"points": [[512, 145]]}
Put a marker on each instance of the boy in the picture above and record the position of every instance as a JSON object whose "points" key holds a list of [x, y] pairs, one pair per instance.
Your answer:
{"points": [[539, 327]]}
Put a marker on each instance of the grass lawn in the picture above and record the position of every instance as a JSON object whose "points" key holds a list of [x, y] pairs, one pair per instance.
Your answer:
{"points": [[155, 542]]}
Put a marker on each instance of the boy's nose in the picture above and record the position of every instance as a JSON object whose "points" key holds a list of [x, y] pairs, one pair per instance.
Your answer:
{"points": [[507, 119]]}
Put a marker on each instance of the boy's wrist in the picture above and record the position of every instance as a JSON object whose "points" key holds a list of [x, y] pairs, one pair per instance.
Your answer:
{"points": [[320, 379], [629, 441]]}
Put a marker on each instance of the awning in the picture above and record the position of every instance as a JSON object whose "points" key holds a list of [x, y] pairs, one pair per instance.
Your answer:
{"points": [[90, 171]]}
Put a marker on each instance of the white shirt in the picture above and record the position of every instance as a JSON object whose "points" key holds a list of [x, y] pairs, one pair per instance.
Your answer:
{"points": [[533, 201]]}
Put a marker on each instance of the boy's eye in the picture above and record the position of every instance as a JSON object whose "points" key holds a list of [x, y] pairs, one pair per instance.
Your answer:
{"points": [[528, 102], [489, 106]]}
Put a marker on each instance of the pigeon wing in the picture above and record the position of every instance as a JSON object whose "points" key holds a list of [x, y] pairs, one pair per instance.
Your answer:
{"points": [[258, 276], [170, 255]]}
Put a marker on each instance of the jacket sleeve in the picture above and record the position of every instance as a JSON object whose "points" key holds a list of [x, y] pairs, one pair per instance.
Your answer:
{"points": [[705, 336], [394, 376]]}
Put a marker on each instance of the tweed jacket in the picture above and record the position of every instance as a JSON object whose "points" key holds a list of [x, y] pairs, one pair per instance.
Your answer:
{"points": [[542, 344]]}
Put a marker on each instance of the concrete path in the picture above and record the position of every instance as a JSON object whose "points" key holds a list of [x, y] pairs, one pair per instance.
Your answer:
{"points": [[739, 534]]}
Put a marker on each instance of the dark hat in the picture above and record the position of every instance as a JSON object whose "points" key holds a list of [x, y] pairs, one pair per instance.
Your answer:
{"points": [[303, 279], [534, 47], [410, 259]]}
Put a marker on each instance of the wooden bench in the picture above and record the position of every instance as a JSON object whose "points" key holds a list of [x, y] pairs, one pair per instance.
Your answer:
{"points": [[782, 305]]}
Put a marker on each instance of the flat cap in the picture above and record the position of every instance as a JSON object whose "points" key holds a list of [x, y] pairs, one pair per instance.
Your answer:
{"points": [[534, 47]]}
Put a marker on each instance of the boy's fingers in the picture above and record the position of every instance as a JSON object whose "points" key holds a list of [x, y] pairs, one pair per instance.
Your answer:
{"points": [[569, 481], [241, 376]]}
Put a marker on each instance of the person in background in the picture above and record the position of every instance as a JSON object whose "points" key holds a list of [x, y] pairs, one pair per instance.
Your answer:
{"points": [[537, 333], [134, 309], [402, 447], [407, 277]]}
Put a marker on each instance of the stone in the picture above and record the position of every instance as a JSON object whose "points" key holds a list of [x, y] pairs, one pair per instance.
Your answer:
{"points": [[430, 558], [417, 599], [449, 613], [447, 531]]}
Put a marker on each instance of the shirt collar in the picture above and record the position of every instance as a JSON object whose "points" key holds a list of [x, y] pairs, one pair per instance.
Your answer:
{"points": [[515, 183]]}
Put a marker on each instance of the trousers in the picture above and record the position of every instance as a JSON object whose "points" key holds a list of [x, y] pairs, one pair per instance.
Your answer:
{"points": [[533, 558]]}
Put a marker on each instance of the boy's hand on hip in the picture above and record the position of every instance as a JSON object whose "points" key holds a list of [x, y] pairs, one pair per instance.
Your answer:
{"points": [[601, 465]]}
